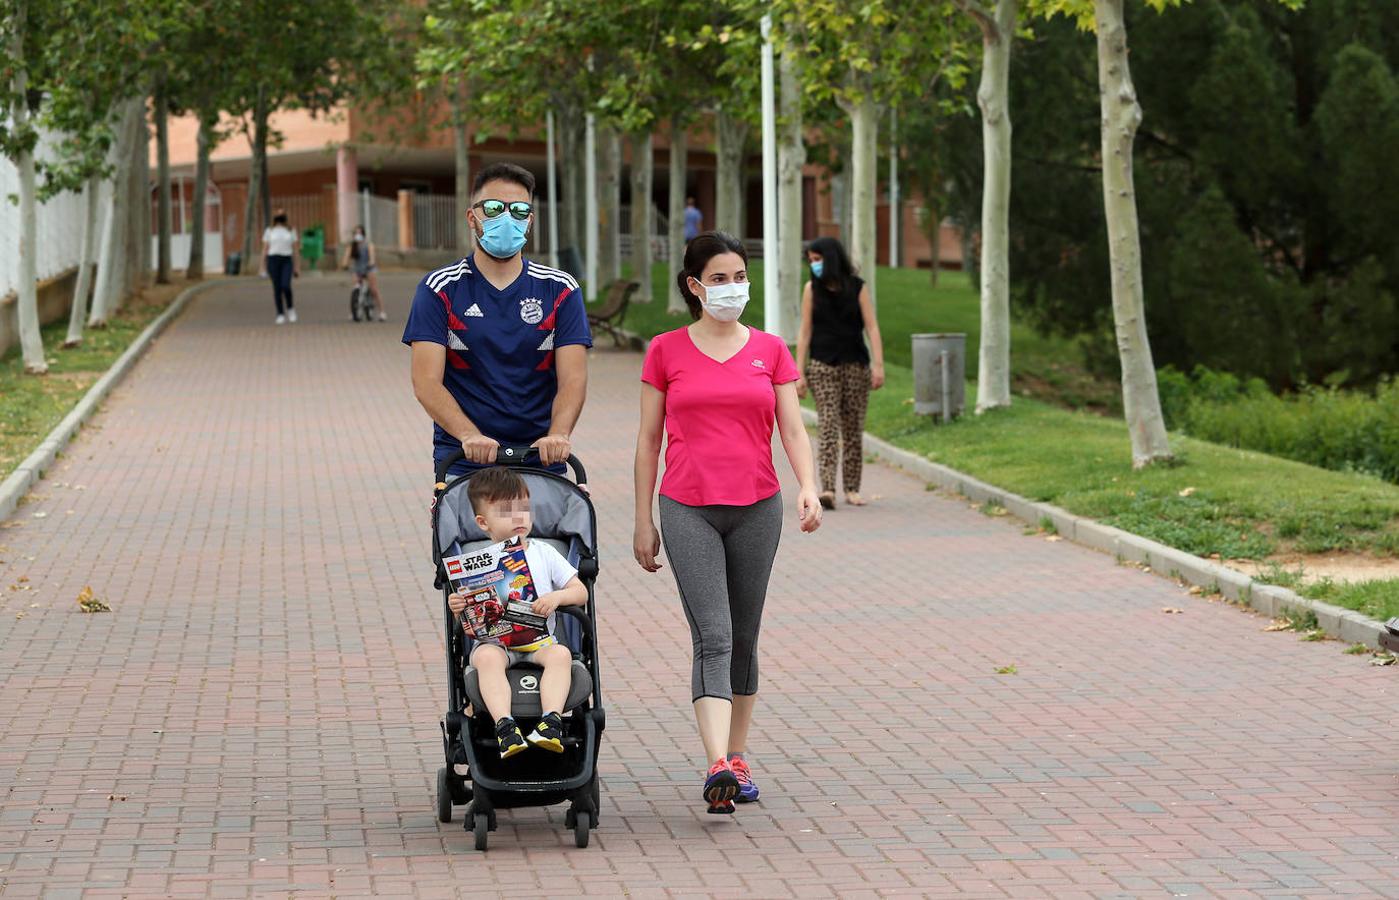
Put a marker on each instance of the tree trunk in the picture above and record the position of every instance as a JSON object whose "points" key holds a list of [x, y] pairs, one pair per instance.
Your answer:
{"points": [[678, 165], [461, 140], [993, 96], [27, 290], [77, 311], [1121, 116], [609, 205], [932, 229], [572, 175], [730, 133], [791, 156], [251, 245], [642, 222], [112, 260], [162, 150], [864, 183], [139, 208], [194, 269]]}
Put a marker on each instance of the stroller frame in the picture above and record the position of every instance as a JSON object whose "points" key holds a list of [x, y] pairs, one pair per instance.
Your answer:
{"points": [[583, 729]]}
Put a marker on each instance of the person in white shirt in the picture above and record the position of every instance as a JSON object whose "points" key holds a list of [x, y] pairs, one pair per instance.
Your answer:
{"points": [[279, 249]]}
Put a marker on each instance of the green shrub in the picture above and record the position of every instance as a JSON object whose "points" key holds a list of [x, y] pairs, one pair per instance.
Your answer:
{"points": [[1348, 431]]}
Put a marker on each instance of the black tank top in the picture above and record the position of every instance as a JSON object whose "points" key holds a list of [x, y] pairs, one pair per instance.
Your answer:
{"points": [[837, 327]]}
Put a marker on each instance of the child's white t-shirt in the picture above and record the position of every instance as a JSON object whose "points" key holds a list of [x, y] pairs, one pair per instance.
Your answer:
{"points": [[549, 570]]}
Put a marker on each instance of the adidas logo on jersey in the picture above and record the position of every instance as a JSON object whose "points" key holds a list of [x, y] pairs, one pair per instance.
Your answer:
{"points": [[475, 312], [548, 342]]}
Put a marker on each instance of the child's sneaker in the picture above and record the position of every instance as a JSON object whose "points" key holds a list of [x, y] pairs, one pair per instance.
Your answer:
{"points": [[511, 741], [548, 734], [720, 787], [747, 790]]}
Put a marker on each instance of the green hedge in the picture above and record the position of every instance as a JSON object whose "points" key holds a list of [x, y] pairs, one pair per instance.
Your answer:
{"points": [[1348, 431]]}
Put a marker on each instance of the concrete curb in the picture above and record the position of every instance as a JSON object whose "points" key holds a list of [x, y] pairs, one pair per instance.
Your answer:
{"points": [[14, 487], [1268, 599]]}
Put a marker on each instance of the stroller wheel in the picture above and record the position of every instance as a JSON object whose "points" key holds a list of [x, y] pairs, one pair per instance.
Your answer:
{"points": [[482, 830], [444, 795], [580, 831]]}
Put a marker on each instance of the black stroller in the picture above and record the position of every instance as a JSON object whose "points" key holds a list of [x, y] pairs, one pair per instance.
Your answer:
{"points": [[563, 516]]}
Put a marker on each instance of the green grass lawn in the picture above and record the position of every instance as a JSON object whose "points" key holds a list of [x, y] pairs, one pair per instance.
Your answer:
{"points": [[31, 405], [1215, 500]]}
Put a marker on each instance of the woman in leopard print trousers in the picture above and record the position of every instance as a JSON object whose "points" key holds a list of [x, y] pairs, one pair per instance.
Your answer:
{"points": [[840, 370]]}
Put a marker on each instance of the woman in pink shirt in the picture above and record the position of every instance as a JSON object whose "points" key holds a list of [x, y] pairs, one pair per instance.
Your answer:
{"points": [[714, 389]]}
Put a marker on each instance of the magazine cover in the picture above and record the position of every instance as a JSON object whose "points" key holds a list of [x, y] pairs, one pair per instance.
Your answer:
{"points": [[500, 594]]}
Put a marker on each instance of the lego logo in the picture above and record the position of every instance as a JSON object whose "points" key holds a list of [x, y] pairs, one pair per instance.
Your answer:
{"points": [[529, 683]]}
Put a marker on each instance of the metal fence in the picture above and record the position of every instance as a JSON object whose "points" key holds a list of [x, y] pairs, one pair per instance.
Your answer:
{"points": [[59, 227]]}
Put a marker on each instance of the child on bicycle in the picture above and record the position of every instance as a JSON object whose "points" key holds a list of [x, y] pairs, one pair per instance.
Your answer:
{"points": [[500, 499], [362, 257]]}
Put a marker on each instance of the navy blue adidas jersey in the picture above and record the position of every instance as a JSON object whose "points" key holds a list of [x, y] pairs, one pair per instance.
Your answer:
{"points": [[500, 346]]}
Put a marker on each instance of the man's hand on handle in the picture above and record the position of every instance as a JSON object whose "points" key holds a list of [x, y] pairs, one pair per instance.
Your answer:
{"points": [[553, 449], [480, 449]]}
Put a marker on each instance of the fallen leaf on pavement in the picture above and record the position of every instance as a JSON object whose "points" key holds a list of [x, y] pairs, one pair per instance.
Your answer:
{"points": [[1171, 609], [1278, 625], [1054, 537], [89, 603]]}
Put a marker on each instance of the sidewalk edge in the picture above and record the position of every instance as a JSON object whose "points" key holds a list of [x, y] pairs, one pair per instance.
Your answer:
{"points": [[14, 487], [1268, 599]]}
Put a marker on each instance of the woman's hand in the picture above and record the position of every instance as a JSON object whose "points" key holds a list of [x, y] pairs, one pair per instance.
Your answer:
{"points": [[809, 510], [876, 377], [646, 546], [801, 385]]}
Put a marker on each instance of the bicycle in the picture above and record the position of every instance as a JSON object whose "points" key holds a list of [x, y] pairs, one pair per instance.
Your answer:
{"points": [[361, 300]]}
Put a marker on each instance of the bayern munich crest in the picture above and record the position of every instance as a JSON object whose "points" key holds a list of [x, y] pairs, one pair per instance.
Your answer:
{"points": [[532, 311]]}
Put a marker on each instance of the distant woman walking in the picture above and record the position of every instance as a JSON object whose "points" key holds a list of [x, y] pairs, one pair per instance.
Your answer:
{"points": [[837, 316], [714, 390], [279, 248]]}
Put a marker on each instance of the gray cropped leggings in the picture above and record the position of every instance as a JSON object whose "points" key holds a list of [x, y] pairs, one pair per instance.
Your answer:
{"points": [[722, 557]]}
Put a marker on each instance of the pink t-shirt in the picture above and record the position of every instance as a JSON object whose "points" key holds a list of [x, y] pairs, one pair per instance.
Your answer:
{"points": [[718, 417]]}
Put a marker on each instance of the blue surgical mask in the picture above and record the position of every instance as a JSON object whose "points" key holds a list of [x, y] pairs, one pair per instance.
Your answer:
{"points": [[816, 268], [503, 236]]}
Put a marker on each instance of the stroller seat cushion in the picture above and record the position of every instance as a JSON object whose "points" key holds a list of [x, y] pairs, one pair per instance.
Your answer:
{"points": [[524, 685]]}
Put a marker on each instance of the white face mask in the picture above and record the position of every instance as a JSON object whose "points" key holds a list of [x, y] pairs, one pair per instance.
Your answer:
{"points": [[725, 302]]}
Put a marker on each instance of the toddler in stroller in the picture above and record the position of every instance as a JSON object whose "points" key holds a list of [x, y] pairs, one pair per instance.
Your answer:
{"points": [[493, 687]]}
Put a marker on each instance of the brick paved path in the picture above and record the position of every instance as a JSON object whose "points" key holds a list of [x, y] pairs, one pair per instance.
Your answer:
{"points": [[258, 713]]}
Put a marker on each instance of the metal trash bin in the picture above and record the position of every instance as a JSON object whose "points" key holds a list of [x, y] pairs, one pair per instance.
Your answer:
{"points": [[939, 374]]}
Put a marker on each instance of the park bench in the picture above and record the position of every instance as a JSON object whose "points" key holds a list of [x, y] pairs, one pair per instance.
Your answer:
{"points": [[608, 316]]}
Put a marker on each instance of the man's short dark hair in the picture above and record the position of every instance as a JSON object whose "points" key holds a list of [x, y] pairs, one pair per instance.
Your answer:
{"points": [[504, 172], [493, 485]]}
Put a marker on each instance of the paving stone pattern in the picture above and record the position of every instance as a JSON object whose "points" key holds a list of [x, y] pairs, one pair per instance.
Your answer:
{"points": [[258, 713]]}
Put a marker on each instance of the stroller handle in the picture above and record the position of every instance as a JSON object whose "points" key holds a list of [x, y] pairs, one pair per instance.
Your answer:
{"points": [[508, 455]]}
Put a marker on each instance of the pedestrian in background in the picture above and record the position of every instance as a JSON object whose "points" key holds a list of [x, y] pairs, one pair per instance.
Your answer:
{"points": [[694, 219], [279, 249], [836, 319]]}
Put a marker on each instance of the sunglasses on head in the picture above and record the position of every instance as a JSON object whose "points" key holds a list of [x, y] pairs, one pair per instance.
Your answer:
{"points": [[492, 208]]}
